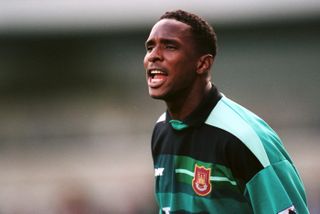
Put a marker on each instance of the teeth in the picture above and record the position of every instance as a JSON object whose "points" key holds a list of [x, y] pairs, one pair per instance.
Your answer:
{"points": [[156, 72]]}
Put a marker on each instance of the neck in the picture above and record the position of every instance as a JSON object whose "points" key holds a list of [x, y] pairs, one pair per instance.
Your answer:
{"points": [[185, 103]]}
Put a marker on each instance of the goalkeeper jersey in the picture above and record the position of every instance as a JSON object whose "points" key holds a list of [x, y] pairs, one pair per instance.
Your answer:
{"points": [[223, 159]]}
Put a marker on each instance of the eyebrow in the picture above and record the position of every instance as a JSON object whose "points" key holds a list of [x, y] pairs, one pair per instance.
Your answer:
{"points": [[163, 41]]}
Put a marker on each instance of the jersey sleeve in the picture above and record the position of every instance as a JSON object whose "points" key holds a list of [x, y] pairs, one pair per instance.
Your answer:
{"points": [[276, 189]]}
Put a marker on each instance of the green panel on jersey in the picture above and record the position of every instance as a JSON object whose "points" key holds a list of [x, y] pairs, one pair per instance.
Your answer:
{"points": [[281, 186], [185, 170], [195, 204]]}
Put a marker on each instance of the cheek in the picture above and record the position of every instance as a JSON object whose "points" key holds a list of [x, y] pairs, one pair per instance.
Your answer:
{"points": [[185, 67], [145, 61]]}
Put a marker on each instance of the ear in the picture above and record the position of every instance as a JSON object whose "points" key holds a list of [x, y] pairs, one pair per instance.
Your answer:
{"points": [[204, 63]]}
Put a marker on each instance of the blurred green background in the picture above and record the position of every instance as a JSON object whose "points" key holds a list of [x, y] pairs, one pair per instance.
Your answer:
{"points": [[76, 118]]}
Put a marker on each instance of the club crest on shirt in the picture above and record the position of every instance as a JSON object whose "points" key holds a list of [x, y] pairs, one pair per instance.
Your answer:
{"points": [[201, 181]]}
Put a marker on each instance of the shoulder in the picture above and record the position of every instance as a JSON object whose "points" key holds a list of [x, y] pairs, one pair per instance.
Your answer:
{"points": [[243, 124], [162, 118], [160, 126]]}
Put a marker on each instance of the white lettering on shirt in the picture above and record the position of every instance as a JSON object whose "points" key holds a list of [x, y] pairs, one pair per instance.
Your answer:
{"points": [[158, 172], [166, 210]]}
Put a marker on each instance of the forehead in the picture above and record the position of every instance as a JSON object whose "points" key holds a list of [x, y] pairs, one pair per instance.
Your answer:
{"points": [[170, 28]]}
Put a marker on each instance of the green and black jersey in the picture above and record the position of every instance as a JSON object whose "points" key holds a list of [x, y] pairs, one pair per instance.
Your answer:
{"points": [[223, 159]]}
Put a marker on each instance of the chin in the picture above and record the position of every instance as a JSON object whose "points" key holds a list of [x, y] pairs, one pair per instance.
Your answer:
{"points": [[158, 97]]}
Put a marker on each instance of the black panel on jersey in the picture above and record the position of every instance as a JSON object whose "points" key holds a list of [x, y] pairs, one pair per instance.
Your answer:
{"points": [[207, 144]]}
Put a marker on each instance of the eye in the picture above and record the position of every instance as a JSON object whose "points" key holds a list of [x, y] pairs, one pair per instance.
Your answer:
{"points": [[149, 48], [171, 47]]}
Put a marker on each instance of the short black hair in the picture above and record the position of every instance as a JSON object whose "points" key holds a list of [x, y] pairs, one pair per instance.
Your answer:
{"points": [[203, 32]]}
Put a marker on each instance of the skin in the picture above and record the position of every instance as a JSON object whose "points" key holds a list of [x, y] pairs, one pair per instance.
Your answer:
{"points": [[183, 78]]}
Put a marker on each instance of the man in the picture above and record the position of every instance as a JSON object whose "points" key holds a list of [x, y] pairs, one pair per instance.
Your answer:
{"points": [[210, 154]]}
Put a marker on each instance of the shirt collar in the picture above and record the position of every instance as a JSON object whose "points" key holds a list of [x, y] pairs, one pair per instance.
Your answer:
{"points": [[200, 114]]}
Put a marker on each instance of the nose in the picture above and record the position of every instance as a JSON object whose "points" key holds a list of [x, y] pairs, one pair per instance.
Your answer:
{"points": [[154, 55]]}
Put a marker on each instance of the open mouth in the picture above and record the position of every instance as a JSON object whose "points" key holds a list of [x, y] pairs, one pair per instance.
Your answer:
{"points": [[156, 78]]}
